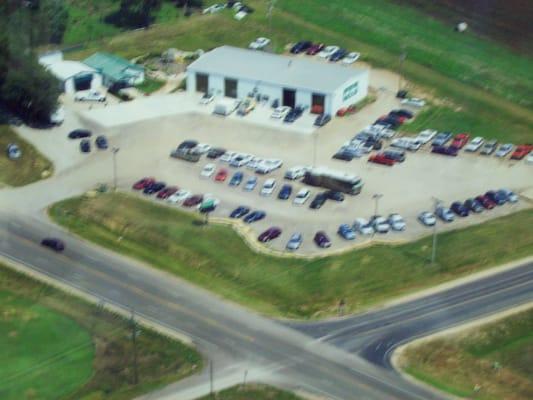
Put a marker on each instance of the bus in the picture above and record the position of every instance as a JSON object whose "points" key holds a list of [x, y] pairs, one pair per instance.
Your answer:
{"points": [[334, 180]]}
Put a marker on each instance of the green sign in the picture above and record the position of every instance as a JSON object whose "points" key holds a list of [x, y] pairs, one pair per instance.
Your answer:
{"points": [[350, 91]]}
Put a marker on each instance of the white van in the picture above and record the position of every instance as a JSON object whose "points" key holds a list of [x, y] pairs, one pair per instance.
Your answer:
{"points": [[226, 107]]}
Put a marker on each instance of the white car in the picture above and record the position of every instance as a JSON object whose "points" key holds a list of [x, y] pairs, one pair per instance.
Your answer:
{"points": [[352, 57], [240, 160], [207, 98], [268, 166], [259, 44], [302, 196], [208, 170], [328, 51], [295, 173], [396, 222], [426, 136], [504, 150], [228, 156], [254, 163], [427, 218], [213, 9], [179, 197], [406, 143], [58, 116], [380, 224], [414, 102], [268, 187], [511, 196], [475, 144], [200, 148], [13, 151], [529, 159], [91, 95], [280, 112], [362, 226]]}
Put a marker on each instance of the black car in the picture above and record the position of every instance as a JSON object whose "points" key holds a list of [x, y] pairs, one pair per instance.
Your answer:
{"points": [[301, 46], [338, 55], [460, 209], [401, 94], [343, 155], [294, 114], [79, 134], [322, 119], [390, 120], [85, 146], [402, 113], [187, 145], [396, 155], [322, 240], [497, 197], [154, 188], [445, 150], [254, 216], [473, 205], [334, 195], [285, 192], [376, 144], [53, 243], [215, 152], [101, 142], [239, 212], [318, 201]]}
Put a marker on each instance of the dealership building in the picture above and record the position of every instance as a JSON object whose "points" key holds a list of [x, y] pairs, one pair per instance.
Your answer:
{"points": [[293, 81]]}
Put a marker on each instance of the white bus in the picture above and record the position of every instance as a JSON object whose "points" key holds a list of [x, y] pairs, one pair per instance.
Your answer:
{"points": [[334, 180]]}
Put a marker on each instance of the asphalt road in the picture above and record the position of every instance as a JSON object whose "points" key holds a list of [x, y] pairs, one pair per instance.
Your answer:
{"points": [[270, 351]]}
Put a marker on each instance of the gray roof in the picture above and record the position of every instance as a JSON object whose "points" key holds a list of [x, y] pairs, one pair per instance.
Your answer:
{"points": [[290, 72]]}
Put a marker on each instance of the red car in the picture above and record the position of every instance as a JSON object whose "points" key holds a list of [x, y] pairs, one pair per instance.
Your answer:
{"points": [[193, 200], [381, 158], [521, 151], [486, 202], [314, 49], [460, 140], [167, 192], [221, 175], [143, 183], [269, 234]]}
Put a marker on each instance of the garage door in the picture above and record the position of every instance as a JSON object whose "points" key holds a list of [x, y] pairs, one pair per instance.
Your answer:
{"points": [[83, 82], [202, 83], [289, 97]]}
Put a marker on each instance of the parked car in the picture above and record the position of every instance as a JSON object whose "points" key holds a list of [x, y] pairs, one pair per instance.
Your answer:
{"points": [[90, 95], [445, 214], [338, 55], [143, 183], [293, 115], [406, 143], [239, 212], [208, 170], [221, 175], [510, 196], [302, 196], [504, 150], [328, 51], [280, 112], [154, 188], [473, 205], [322, 240], [285, 192], [214, 9], [246, 106], [201, 148], [187, 145], [441, 139], [380, 158], [13, 151], [426, 136], [250, 184], [459, 208], [207, 97], [343, 155], [395, 155], [402, 112], [215, 152], [80, 134], [259, 44], [363, 226], [268, 165], [208, 204], [268, 187], [179, 197], [295, 241], [228, 156], [53, 243], [486, 202], [352, 57], [270, 234], [254, 216], [240, 160], [346, 232], [521, 151], [301, 46], [318, 201], [315, 49], [489, 147], [236, 179], [85, 146], [529, 159], [322, 119], [497, 198], [58, 116], [414, 102], [166, 192], [475, 144], [427, 218], [460, 140], [380, 224], [334, 195], [445, 150], [295, 173], [396, 222], [193, 200], [101, 142]]}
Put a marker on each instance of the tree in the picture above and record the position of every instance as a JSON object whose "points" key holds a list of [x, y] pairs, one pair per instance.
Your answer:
{"points": [[134, 13]]}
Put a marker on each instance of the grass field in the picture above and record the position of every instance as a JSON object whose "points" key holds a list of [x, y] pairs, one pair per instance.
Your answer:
{"points": [[217, 258], [29, 168], [252, 392], [54, 346], [460, 362]]}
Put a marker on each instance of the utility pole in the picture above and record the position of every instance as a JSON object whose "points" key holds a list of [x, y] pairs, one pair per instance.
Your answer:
{"points": [[270, 11], [376, 198], [134, 342], [403, 57], [434, 245], [115, 150], [315, 140], [211, 377]]}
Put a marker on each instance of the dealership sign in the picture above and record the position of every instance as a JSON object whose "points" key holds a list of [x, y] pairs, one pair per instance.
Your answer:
{"points": [[350, 91]]}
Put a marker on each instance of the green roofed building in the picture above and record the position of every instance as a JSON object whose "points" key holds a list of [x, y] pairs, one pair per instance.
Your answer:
{"points": [[116, 70]]}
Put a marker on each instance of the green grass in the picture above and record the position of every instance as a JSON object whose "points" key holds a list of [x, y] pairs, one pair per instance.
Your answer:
{"points": [[458, 362], [249, 392], [85, 21], [27, 169], [55, 346], [217, 258], [150, 85]]}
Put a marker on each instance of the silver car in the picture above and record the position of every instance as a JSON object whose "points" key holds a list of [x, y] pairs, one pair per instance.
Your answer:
{"points": [[427, 218], [295, 241]]}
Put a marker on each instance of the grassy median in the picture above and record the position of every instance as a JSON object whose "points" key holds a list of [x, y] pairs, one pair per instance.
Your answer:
{"points": [[496, 357], [55, 346], [215, 257], [31, 167], [249, 392]]}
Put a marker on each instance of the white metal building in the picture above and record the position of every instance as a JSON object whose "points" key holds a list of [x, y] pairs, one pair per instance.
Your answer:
{"points": [[236, 73], [73, 75]]}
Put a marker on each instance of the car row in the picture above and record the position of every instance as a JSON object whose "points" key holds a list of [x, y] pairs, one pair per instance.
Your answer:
{"points": [[331, 53]]}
